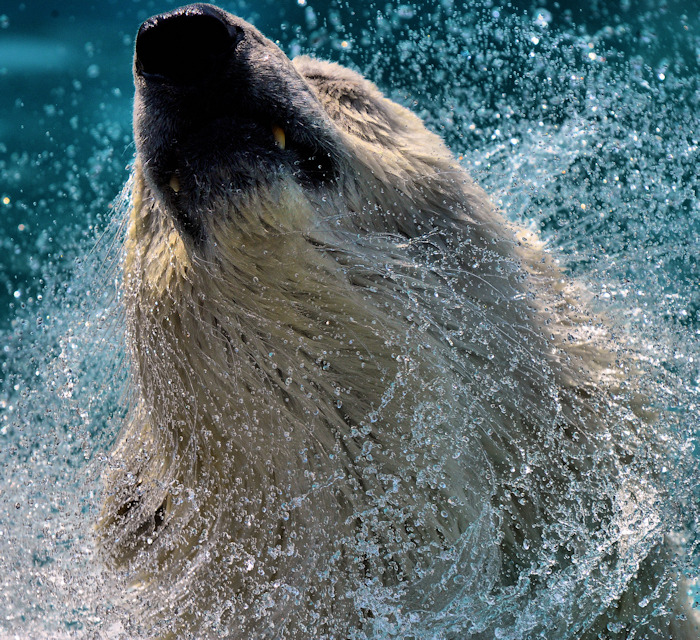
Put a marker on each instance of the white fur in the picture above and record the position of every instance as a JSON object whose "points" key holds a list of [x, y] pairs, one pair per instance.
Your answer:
{"points": [[369, 404]]}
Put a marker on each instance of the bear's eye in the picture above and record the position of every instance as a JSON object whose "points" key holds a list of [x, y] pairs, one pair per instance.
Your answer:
{"points": [[316, 165]]}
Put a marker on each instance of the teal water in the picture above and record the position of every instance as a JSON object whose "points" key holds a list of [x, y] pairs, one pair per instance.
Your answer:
{"points": [[581, 122]]}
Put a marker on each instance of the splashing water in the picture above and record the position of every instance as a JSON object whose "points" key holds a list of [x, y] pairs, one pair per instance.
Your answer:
{"points": [[584, 134]]}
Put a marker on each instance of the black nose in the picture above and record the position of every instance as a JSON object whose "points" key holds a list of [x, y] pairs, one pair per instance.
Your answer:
{"points": [[185, 46]]}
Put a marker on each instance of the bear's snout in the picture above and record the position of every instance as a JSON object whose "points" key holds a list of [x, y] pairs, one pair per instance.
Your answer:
{"points": [[186, 46]]}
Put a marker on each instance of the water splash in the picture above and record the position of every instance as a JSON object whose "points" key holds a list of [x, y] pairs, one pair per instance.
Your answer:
{"points": [[585, 136]]}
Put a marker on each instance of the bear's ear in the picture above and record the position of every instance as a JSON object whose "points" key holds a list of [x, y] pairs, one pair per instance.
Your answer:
{"points": [[353, 102]]}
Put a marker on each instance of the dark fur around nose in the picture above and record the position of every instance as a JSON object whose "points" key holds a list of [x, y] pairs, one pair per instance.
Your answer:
{"points": [[186, 46]]}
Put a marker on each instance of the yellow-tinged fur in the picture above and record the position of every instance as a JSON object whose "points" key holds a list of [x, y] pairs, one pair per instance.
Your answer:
{"points": [[366, 401]]}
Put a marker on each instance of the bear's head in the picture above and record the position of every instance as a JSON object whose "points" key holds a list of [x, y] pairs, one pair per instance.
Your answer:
{"points": [[228, 129]]}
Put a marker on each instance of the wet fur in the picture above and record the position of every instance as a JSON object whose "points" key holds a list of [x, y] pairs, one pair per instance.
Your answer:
{"points": [[340, 385]]}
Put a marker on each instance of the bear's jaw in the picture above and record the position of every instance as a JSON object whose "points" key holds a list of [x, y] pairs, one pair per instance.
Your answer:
{"points": [[221, 110]]}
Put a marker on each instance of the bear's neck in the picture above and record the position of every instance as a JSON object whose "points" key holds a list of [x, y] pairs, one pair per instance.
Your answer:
{"points": [[324, 375]]}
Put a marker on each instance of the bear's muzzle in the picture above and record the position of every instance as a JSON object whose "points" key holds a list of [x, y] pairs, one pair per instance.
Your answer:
{"points": [[186, 46]]}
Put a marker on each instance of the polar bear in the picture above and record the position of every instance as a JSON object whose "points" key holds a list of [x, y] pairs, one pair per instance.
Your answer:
{"points": [[366, 405]]}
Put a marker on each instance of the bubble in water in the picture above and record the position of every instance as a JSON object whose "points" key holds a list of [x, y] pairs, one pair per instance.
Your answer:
{"points": [[543, 17]]}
